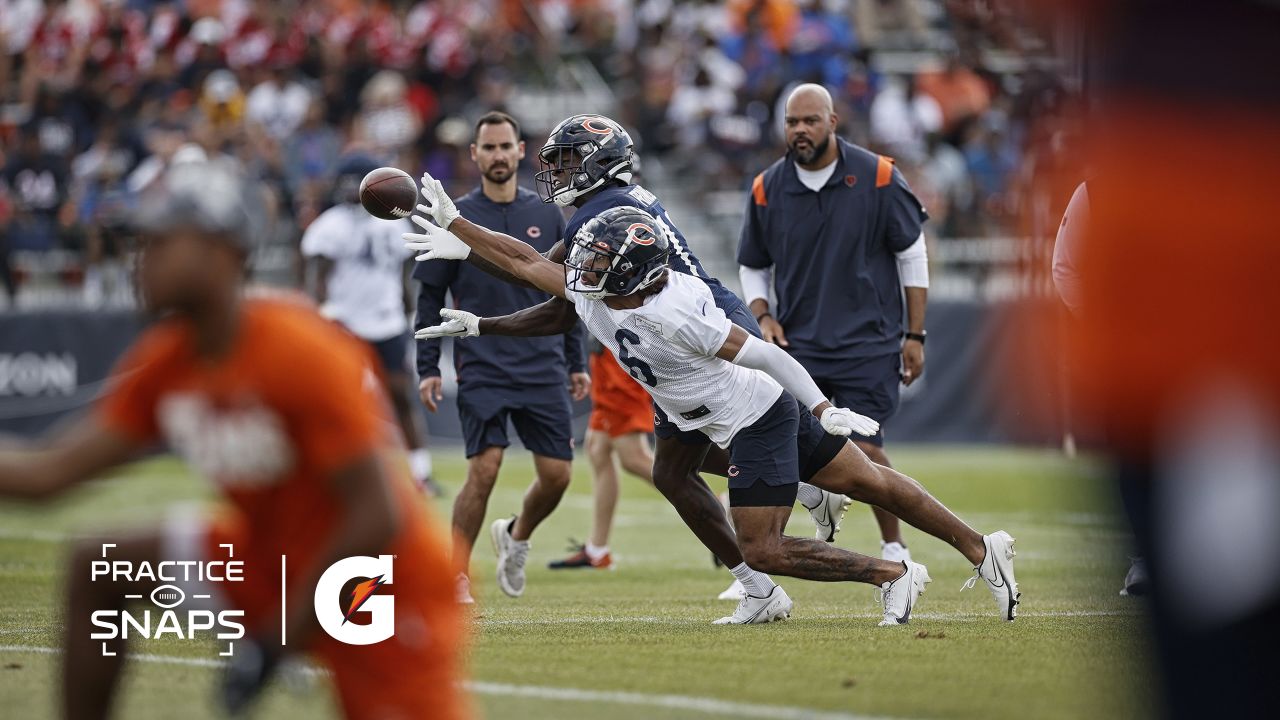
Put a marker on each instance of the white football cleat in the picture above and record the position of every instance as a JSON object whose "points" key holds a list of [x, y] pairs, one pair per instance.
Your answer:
{"points": [[895, 552], [901, 595], [828, 514], [754, 610], [511, 557], [734, 591], [997, 569], [462, 593]]}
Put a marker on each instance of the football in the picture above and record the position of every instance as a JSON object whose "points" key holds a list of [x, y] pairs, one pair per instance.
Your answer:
{"points": [[388, 193]]}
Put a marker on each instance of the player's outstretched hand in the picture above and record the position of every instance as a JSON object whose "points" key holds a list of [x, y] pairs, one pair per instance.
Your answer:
{"points": [[457, 323], [434, 243], [248, 672], [843, 421], [439, 206]]}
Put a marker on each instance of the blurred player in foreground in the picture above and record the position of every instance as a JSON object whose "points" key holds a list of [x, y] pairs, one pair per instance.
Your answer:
{"points": [[522, 380], [282, 411], [712, 377], [359, 279], [617, 433]]}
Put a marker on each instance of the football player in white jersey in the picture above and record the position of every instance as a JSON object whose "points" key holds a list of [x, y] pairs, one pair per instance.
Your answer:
{"points": [[711, 376], [359, 270]]}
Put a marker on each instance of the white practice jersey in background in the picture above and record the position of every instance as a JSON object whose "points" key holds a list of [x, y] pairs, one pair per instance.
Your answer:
{"points": [[366, 287], [669, 344]]}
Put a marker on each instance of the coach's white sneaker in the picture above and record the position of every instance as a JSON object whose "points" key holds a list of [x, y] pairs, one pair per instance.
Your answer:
{"points": [[462, 591], [828, 514], [511, 557], [894, 552], [900, 596], [734, 592], [997, 569], [754, 610]]}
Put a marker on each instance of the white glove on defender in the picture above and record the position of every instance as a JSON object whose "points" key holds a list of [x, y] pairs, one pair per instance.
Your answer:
{"points": [[842, 422], [457, 323], [441, 208], [434, 243]]}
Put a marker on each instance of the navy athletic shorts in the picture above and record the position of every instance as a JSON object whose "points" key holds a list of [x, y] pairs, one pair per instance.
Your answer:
{"points": [[772, 455], [393, 353], [542, 416], [867, 386]]}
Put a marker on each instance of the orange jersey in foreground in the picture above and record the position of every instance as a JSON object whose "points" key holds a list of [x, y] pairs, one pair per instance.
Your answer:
{"points": [[293, 400]]}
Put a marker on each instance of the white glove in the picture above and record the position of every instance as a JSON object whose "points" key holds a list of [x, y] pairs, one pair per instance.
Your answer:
{"points": [[842, 422], [457, 323], [434, 243], [439, 206]]}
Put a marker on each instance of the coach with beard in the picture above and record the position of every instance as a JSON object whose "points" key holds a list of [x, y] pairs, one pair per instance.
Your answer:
{"points": [[837, 233], [524, 381]]}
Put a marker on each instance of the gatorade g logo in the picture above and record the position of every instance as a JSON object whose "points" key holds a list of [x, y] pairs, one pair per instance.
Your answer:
{"points": [[338, 608]]}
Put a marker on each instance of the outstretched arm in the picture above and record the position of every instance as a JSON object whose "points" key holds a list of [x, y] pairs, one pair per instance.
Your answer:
{"points": [[742, 349], [552, 317], [42, 470], [505, 252]]}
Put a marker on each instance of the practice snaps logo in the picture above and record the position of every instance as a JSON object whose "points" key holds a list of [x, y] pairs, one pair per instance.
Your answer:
{"points": [[351, 603], [174, 613]]}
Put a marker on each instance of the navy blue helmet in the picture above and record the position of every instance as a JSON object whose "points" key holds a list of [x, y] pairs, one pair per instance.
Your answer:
{"points": [[582, 153], [618, 252]]}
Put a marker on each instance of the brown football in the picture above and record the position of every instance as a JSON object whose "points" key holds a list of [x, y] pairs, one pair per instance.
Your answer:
{"points": [[388, 193]]}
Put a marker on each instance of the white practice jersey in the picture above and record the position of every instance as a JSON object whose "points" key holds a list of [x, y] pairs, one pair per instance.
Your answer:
{"points": [[669, 345], [366, 287]]}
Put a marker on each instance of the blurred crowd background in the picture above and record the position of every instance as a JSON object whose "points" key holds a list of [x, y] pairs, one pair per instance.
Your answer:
{"points": [[97, 97]]}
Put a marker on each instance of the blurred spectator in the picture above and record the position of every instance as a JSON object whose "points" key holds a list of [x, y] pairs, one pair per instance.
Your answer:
{"points": [[279, 103], [387, 123], [959, 92], [878, 21], [35, 183], [112, 91], [992, 163], [311, 153], [821, 45], [693, 106], [902, 120]]}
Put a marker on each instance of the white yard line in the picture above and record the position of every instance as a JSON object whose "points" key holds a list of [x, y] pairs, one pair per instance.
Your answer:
{"points": [[710, 706]]}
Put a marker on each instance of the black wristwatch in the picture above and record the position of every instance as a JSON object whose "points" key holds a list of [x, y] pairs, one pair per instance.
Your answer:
{"points": [[915, 336], [763, 315]]}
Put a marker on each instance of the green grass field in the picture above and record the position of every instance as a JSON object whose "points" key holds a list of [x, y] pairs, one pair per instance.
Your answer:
{"points": [[636, 642]]}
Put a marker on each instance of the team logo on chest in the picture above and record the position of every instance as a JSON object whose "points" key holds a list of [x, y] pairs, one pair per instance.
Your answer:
{"points": [[534, 232]]}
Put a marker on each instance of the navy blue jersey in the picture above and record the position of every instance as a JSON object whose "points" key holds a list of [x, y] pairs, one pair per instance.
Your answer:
{"points": [[835, 273], [682, 258], [492, 359]]}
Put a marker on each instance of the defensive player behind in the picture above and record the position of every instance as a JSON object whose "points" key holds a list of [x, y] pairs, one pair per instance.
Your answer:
{"points": [[712, 377], [588, 163], [358, 268], [279, 409], [524, 381]]}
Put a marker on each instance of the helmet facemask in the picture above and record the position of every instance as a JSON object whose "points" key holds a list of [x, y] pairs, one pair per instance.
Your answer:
{"points": [[596, 270], [560, 178]]}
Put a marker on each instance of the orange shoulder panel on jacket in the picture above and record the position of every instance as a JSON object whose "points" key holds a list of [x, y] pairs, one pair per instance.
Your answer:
{"points": [[884, 170], [757, 190]]}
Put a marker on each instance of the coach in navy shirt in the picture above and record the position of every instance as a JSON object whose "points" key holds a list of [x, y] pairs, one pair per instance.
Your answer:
{"points": [[522, 379], [838, 234]]}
